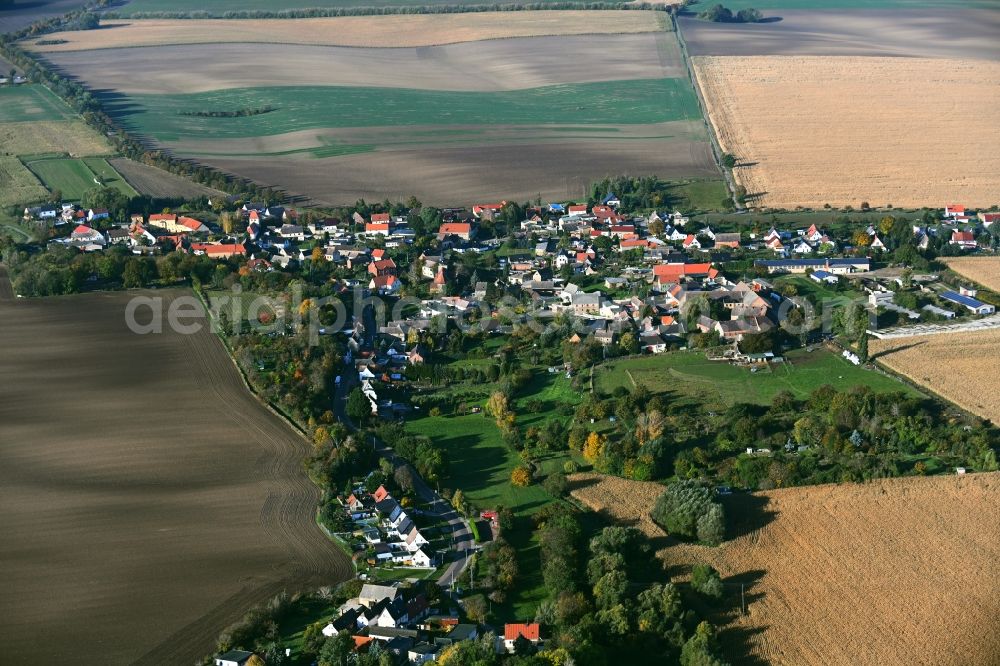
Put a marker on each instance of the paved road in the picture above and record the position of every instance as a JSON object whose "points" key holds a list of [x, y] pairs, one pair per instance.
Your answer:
{"points": [[456, 525], [986, 323]]}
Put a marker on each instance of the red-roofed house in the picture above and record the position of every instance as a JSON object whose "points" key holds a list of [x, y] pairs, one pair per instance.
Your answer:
{"points": [[577, 209], [382, 267], [377, 228], [954, 210], [461, 229], [511, 632], [963, 239], [162, 220], [438, 285], [192, 225], [988, 218], [219, 250], [384, 284], [666, 273], [691, 242], [380, 493], [489, 209]]}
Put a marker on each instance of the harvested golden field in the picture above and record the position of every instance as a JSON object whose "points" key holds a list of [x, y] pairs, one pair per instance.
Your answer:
{"points": [[897, 571], [52, 136], [367, 31], [961, 366], [621, 500], [981, 270], [843, 130]]}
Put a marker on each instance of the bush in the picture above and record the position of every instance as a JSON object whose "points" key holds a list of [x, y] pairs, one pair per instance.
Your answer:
{"points": [[688, 509], [556, 484], [521, 477], [706, 581]]}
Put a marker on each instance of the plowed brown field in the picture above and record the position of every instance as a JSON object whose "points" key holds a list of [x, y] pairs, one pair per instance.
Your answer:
{"points": [[845, 130], [897, 571], [146, 498], [961, 366]]}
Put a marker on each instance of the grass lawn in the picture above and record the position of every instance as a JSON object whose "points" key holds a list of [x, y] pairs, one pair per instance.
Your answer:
{"points": [[702, 195], [815, 291], [31, 103], [310, 107], [109, 176], [291, 629], [75, 177], [480, 464], [717, 384]]}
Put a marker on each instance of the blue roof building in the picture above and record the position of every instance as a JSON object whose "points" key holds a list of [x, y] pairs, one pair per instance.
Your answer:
{"points": [[968, 302]]}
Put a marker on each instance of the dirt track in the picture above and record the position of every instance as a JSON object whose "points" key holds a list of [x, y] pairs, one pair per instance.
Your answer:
{"points": [[146, 498]]}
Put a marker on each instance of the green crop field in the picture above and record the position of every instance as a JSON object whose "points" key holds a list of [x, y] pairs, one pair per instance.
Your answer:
{"points": [[27, 103], [75, 177], [300, 108], [717, 384]]}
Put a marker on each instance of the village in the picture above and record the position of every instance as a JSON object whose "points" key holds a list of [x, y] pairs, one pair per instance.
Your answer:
{"points": [[615, 272], [632, 284]]}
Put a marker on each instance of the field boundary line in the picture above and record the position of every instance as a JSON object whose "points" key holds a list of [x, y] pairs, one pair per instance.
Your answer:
{"points": [[713, 140], [229, 353]]}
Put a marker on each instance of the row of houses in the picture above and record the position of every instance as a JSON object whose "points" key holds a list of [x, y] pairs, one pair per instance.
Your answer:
{"points": [[394, 538]]}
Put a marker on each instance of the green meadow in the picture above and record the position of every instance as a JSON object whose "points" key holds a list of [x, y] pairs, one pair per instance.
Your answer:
{"points": [[689, 376], [630, 102], [28, 103], [75, 177]]}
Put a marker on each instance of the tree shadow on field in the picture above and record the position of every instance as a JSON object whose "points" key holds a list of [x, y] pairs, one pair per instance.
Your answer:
{"points": [[745, 514], [887, 352], [738, 645]]}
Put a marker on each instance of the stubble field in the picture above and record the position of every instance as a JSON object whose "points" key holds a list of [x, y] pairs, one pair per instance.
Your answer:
{"points": [[146, 498], [398, 31], [896, 571], [514, 118], [17, 184], [845, 130], [981, 270], [961, 367]]}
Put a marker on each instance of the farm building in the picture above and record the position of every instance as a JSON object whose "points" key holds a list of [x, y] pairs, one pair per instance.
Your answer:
{"points": [[824, 276], [833, 266], [973, 305]]}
